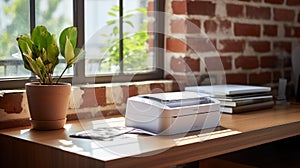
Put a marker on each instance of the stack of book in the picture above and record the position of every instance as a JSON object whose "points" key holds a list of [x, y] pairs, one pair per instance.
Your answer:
{"points": [[238, 98]]}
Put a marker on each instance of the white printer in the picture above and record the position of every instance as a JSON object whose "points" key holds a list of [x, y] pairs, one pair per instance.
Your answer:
{"points": [[172, 113]]}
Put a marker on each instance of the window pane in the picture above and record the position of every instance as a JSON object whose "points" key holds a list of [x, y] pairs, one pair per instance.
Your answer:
{"points": [[137, 55], [56, 15], [102, 37], [97, 32], [14, 20]]}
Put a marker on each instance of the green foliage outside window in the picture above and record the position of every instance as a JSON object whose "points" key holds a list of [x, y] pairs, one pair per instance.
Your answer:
{"points": [[134, 45], [17, 12]]}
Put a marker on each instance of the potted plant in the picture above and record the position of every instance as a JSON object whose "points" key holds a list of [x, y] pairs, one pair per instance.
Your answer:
{"points": [[48, 99]]}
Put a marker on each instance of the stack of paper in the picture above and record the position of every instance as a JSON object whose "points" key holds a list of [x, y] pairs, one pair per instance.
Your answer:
{"points": [[238, 98]]}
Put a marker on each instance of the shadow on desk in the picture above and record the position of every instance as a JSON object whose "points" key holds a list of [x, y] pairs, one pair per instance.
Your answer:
{"points": [[278, 154]]}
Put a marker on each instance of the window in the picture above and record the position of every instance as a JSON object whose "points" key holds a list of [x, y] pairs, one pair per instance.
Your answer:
{"points": [[116, 35]]}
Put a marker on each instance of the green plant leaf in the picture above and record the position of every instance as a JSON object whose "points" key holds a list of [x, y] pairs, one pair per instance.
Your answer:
{"points": [[25, 46], [115, 30], [128, 16], [43, 55], [46, 50], [111, 22], [69, 52], [40, 37], [34, 66], [71, 33], [43, 73], [115, 8], [142, 10], [112, 14], [24, 42], [52, 50], [130, 23]]}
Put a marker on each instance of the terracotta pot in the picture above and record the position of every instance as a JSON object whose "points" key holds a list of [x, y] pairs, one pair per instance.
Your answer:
{"points": [[48, 105]]}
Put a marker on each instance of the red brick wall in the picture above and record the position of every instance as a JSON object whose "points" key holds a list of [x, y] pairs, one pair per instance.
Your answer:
{"points": [[252, 38]]}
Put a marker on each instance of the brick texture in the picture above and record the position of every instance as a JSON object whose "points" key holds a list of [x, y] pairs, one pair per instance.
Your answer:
{"points": [[247, 62], [292, 31], [270, 30], [225, 24], [293, 2], [201, 8], [197, 45], [258, 12], [210, 26], [260, 46], [218, 63], [178, 26], [11, 103], [94, 97], [182, 26], [150, 6], [179, 7], [243, 29], [284, 15], [268, 61], [274, 1], [175, 45], [129, 91], [248, 34], [260, 78], [232, 45], [234, 10], [236, 78], [193, 65], [157, 88], [185, 64], [177, 64], [282, 45], [193, 25]]}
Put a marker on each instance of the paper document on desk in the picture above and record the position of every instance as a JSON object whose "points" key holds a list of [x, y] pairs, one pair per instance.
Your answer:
{"points": [[108, 133]]}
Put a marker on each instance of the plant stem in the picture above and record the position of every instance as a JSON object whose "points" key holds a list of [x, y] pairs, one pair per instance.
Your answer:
{"points": [[62, 74]]}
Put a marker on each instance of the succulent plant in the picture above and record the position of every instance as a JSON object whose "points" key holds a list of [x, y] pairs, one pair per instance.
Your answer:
{"points": [[40, 51]]}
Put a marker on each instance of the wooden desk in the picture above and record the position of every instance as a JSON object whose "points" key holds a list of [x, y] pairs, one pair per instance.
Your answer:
{"points": [[23, 147]]}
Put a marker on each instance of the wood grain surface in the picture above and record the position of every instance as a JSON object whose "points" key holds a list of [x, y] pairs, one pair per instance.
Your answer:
{"points": [[24, 147]]}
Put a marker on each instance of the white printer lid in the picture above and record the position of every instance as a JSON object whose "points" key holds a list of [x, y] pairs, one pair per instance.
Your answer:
{"points": [[169, 96], [175, 99]]}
